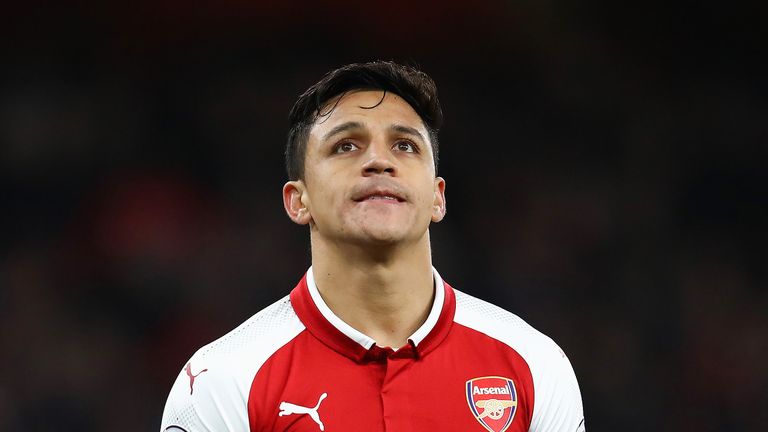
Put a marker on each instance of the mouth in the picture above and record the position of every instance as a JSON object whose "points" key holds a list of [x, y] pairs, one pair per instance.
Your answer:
{"points": [[380, 196]]}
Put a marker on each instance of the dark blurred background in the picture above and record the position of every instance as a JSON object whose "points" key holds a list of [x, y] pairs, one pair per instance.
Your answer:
{"points": [[605, 162]]}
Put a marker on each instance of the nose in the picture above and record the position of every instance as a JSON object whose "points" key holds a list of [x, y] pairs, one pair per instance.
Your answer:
{"points": [[380, 161]]}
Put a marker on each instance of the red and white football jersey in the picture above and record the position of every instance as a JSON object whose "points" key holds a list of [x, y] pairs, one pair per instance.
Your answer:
{"points": [[295, 366]]}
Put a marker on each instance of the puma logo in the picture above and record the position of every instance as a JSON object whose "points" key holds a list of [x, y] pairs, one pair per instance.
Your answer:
{"points": [[192, 376], [287, 408]]}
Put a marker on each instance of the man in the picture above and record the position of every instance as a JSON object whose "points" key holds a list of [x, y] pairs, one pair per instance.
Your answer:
{"points": [[372, 339]]}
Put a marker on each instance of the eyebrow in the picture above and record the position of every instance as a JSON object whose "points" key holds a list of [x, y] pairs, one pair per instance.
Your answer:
{"points": [[344, 127], [351, 125], [407, 130]]}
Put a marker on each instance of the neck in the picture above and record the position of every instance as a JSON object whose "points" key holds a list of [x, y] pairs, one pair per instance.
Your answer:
{"points": [[384, 292]]}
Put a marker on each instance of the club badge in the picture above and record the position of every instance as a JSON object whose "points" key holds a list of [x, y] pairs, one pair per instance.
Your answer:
{"points": [[493, 401]]}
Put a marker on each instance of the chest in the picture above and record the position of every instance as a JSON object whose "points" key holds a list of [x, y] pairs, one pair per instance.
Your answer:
{"points": [[461, 386]]}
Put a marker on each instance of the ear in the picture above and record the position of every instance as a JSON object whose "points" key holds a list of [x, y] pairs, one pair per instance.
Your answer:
{"points": [[294, 198], [438, 206]]}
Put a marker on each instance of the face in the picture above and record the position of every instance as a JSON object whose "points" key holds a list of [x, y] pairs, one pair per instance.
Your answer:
{"points": [[369, 174]]}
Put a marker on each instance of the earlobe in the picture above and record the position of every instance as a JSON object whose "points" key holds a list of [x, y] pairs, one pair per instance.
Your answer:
{"points": [[438, 206], [294, 201]]}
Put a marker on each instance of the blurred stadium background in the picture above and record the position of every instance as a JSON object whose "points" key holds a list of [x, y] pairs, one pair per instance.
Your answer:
{"points": [[605, 162]]}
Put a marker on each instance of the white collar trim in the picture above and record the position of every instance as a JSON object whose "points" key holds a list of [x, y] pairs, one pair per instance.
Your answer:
{"points": [[364, 340]]}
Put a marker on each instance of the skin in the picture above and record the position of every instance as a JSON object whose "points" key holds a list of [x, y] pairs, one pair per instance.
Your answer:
{"points": [[371, 255]]}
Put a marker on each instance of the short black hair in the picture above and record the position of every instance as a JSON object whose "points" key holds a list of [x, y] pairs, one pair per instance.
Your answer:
{"points": [[411, 84]]}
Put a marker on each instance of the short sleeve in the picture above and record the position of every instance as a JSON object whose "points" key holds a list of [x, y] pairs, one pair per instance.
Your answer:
{"points": [[204, 398], [211, 392], [558, 406]]}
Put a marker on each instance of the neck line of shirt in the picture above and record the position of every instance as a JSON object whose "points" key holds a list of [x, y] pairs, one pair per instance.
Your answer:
{"points": [[364, 340], [330, 330]]}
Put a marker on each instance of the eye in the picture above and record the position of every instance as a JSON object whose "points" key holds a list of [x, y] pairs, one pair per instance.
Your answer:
{"points": [[406, 146], [345, 147]]}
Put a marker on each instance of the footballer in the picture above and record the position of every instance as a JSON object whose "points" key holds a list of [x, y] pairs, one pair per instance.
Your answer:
{"points": [[372, 338]]}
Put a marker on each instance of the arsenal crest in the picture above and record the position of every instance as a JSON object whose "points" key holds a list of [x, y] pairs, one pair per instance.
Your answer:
{"points": [[493, 401]]}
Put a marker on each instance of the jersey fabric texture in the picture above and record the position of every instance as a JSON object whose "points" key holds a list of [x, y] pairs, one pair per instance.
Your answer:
{"points": [[295, 366]]}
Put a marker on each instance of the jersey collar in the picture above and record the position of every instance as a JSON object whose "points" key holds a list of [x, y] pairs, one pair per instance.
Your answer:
{"points": [[340, 336]]}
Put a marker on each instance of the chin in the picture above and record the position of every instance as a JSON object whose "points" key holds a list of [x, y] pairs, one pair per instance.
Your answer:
{"points": [[380, 235], [377, 229]]}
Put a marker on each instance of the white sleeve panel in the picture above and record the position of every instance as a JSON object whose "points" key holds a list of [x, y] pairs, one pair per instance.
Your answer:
{"points": [[558, 406], [224, 370], [557, 400]]}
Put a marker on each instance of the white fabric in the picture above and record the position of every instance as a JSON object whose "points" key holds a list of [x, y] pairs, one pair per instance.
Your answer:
{"points": [[557, 400], [364, 340], [220, 397]]}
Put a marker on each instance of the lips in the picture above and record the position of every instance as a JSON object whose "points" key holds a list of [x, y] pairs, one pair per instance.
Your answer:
{"points": [[377, 193], [380, 197]]}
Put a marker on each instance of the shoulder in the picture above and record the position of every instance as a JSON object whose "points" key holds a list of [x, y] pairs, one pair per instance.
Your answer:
{"points": [[261, 334], [504, 326], [557, 395], [211, 390]]}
